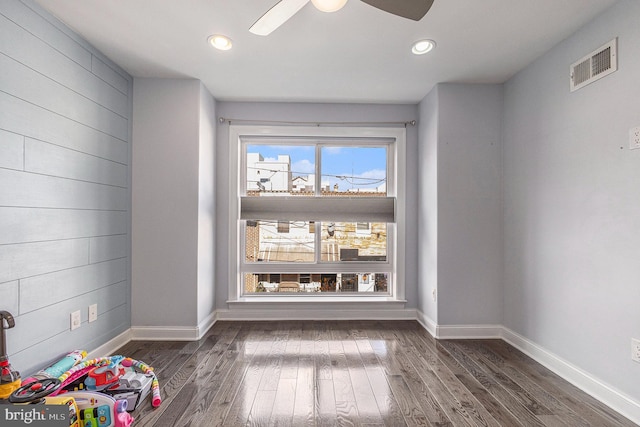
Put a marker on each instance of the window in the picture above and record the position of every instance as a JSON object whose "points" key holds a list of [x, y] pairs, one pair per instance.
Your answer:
{"points": [[315, 211]]}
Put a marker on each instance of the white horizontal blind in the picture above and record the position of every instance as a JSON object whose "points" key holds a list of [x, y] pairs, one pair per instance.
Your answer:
{"points": [[354, 209]]}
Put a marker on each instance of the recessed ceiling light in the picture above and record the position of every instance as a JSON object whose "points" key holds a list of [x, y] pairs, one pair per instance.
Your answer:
{"points": [[423, 46], [329, 5], [220, 42]]}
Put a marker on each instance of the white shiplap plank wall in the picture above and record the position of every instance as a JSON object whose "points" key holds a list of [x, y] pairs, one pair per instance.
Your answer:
{"points": [[65, 119]]}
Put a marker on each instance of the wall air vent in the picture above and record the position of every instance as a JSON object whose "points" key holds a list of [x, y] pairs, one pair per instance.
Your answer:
{"points": [[599, 63]]}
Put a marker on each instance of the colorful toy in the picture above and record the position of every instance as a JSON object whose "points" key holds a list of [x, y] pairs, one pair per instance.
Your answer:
{"points": [[156, 400], [70, 402], [58, 368], [102, 377], [35, 391], [83, 368], [132, 387], [99, 410], [9, 379]]}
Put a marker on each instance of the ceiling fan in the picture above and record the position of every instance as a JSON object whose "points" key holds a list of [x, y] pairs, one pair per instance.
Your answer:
{"points": [[285, 9]]}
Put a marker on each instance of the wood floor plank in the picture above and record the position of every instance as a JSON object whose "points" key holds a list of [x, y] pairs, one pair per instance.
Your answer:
{"points": [[436, 373], [304, 402], [436, 355], [282, 414], [196, 395], [388, 406], [592, 410], [556, 407], [325, 403], [516, 407], [145, 415], [356, 373]]}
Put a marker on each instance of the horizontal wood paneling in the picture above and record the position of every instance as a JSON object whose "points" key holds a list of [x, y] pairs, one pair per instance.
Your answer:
{"points": [[22, 225], [110, 76], [35, 88], [11, 150], [31, 329], [107, 248], [21, 117], [44, 352], [9, 297], [35, 54], [25, 17], [65, 115], [32, 190], [49, 159], [47, 289], [30, 259]]}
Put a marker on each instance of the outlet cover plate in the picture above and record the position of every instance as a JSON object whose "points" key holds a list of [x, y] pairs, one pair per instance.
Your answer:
{"points": [[635, 349], [93, 312], [76, 320], [634, 138]]}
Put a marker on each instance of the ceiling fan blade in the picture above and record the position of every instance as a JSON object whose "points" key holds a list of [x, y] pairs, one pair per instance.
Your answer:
{"points": [[411, 9], [276, 16]]}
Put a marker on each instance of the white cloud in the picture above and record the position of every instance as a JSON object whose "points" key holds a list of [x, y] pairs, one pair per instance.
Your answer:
{"points": [[303, 166]]}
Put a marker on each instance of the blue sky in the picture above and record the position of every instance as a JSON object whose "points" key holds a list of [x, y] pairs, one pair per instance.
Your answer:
{"points": [[349, 167]]}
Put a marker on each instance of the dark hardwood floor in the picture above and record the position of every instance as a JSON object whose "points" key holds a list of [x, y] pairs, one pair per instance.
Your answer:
{"points": [[360, 373]]}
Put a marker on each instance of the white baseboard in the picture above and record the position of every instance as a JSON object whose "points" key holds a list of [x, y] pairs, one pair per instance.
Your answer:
{"points": [[164, 333], [620, 402], [427, 323], [207, 323], [173, 333], [468, 332], [110, 347]]}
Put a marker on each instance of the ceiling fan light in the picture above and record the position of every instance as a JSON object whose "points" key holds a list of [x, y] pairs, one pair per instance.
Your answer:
{"points": [[220, 42], [329, 5], [423, 46]]}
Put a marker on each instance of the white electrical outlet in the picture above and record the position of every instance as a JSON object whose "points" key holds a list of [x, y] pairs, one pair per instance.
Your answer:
{"points": [[634, 138], [76, 320], [635, 349], [433, 294], [93, 312]]}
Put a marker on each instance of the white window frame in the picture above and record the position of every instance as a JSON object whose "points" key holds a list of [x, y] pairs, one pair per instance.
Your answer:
{"points": [[395, 188]]}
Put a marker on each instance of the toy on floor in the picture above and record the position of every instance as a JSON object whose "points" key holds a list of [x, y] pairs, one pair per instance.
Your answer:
{"points": [[83, 368], [132, 388], [9, 379], [86, 408], [100, 410], [102, 377], [35, 391], [70, 403], [156, 400], [58, 368]]}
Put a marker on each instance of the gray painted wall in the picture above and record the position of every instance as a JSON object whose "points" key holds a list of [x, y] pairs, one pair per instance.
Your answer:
{"points": [[65, 115], [313, 113], [174, 121], [428, 206], [206, 206], [460, 204], [572, 204], [469, 204]]}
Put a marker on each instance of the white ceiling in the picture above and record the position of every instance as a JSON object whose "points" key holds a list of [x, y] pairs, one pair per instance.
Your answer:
{"points": [[358, 54]]}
